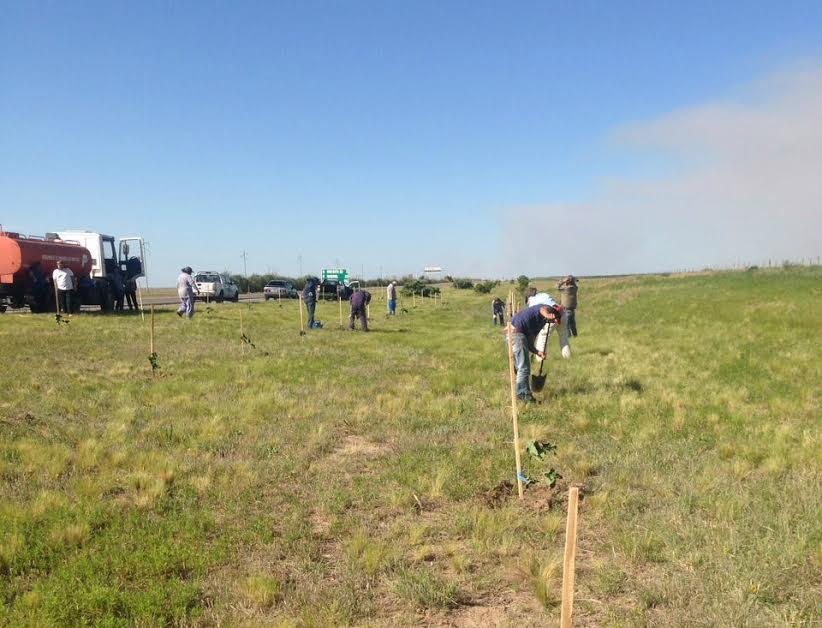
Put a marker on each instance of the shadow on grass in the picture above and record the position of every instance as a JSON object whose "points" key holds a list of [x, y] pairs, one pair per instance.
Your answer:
{"points": [[387, 331], [584, 388]]}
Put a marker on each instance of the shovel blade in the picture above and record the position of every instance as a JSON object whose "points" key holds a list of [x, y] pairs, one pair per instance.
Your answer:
{"points": [[538, 382]]}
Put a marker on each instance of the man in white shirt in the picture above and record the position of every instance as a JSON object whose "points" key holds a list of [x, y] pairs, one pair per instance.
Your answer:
{"points": [[541, 343], [63, 280], [186, 288]]}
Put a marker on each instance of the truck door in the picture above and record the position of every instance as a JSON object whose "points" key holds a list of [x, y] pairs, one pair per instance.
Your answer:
{"points": [[132, 257]]}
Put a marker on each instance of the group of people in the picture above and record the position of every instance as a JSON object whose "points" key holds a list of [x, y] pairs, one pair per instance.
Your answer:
{"points": [[359, 302], [531, 328]]}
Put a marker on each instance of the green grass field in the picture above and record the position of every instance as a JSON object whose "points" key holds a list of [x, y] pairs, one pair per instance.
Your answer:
{"points": [[360, 479]]}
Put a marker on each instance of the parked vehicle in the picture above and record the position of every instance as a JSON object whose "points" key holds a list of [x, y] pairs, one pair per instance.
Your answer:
{"points": [[100, 264], [331, 290], [213, 286], [279, 289]]}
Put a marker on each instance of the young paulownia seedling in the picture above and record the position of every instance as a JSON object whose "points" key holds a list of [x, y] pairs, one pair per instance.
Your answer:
{"points": [[539, 449]]}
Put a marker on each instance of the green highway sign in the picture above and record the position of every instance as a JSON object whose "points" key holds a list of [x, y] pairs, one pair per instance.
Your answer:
{"points": [[336, 274]]}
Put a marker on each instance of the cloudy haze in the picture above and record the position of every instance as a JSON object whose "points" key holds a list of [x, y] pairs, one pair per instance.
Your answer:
{"points": [[736, 180]]}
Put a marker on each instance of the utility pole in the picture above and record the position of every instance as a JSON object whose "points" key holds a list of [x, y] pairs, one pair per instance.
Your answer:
{"points": [[245, 271]]}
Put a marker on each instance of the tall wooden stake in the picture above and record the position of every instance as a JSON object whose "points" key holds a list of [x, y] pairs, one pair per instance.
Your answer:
{"points": [[302, 327], [56, 298], [140, 301], [151, 335], [569, 560], [339, 297], [514, 416], [242, 334]]}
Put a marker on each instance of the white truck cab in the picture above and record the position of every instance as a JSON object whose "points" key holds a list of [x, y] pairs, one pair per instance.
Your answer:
{"points": [[104, 252]]}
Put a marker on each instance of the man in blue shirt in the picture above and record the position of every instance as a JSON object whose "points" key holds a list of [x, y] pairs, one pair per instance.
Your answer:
{"points": [[359, 308], [524, 329]]}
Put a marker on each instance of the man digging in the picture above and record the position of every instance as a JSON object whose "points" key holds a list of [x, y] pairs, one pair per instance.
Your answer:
{"points": [[524, 328]]}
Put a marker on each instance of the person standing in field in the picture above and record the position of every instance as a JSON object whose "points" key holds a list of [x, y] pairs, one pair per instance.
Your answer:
{"points": [[498, 309], [185, 290], [63, 279], [541, 343], [524, 329], [568, 296], [359, 308], [310, 300], [131, 294], [392, 298]]}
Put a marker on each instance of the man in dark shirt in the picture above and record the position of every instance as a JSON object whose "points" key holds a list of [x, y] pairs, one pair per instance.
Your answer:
{"points": [[498, 309], [359, 307], [524, 329], [310, 299]]}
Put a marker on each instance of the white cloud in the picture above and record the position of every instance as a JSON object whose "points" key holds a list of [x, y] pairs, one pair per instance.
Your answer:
{"points": [[743, 182]]}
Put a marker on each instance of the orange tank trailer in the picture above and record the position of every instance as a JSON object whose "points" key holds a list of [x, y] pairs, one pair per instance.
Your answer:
{"points": [[19, 253]]}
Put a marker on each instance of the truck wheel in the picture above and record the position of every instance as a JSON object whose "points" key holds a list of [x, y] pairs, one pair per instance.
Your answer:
{"points": [[219, 298], [236, 296]]}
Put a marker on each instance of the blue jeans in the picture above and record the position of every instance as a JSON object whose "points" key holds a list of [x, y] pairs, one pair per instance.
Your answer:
{"points": [[522, 364], [310, 307], [392, 306], [572, 321]]}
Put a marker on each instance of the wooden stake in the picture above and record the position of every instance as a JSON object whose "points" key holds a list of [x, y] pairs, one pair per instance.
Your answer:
{"points": [[151, 335], [242, 334], [302, 327], [514, 416], [140, 301], [56, 298], [570, 558], [340, 299], [414, 298]]}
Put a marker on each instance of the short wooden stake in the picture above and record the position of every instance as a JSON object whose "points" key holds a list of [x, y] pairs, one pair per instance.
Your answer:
{"points": [[514, 416], [302, 327], [340, 299], [570, 558]]}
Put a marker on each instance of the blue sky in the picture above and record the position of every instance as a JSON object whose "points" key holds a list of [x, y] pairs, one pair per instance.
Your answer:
{"points": [[490, 138]]}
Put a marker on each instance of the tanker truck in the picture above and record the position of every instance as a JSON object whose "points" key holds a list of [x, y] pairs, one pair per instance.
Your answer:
{"points": [[100, 265]]}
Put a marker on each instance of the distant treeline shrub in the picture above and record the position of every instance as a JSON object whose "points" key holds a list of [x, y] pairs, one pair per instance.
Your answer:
{"points": [[485, 287], [463, 284], [418, 286]]}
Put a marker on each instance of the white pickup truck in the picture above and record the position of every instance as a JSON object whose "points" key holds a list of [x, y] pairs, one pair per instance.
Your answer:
{"points": [[212, 286]]}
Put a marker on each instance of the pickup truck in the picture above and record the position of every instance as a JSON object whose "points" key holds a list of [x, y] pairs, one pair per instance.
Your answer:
{"points": [[216, 286]]}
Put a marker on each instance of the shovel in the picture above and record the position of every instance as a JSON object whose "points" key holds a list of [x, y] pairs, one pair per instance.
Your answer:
{"points": [[538, 380]]}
